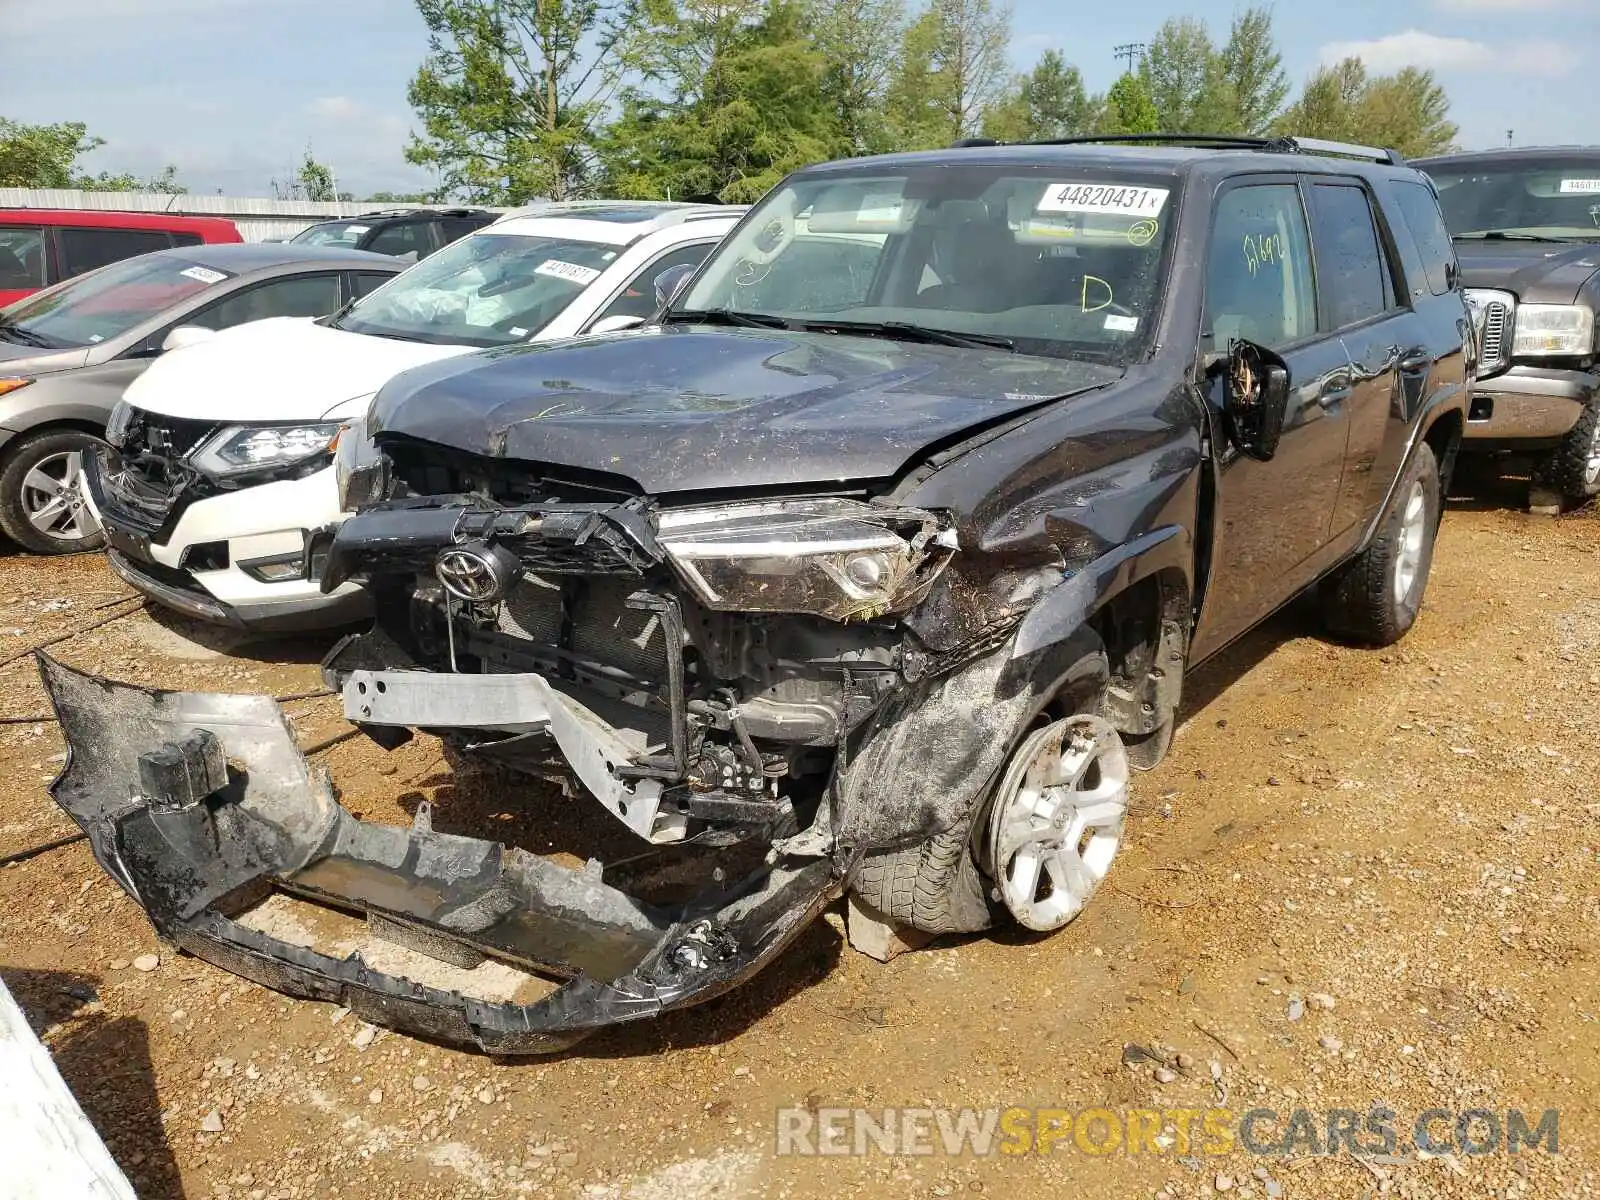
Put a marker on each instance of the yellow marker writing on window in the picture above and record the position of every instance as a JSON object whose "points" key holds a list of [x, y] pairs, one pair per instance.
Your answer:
{"points": [[1095, 287]]}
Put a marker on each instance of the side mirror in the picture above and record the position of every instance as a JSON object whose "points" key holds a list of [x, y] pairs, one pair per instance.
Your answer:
{"points": [[409, 257], [186, 335], [1257, 399], [670, 282], [616, 324]]}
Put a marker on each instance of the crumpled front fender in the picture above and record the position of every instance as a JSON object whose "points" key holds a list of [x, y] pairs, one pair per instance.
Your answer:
{"points": [[200, 806]]}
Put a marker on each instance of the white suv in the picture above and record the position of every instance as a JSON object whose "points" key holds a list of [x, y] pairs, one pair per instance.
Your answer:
{"points": [[220, 484]]}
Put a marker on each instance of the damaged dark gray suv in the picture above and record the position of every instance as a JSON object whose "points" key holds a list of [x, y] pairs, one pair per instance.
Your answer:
{"points": [[877, 564]]}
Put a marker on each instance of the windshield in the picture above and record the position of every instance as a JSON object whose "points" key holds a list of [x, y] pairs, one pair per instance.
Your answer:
{"points": [[1055, 261], [334, 233], [104, 304], [488, 289], [1555, 197]]}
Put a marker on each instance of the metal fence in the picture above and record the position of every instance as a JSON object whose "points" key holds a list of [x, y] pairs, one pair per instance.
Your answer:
{"points": [[257, 218]]}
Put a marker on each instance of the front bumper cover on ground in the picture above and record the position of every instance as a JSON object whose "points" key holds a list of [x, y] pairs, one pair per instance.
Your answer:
{"points": [[200, 806]]}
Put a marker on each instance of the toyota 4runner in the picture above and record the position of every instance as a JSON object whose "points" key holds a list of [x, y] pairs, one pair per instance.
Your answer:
{"points": [[876, 563]]}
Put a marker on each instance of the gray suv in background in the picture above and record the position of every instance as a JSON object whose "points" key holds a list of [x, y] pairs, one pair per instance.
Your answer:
{"points": [[67, 353]]}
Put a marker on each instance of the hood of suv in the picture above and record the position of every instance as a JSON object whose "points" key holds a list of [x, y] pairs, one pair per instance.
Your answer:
{"points": [[282, 369], [686, 408], [1535, 272]]}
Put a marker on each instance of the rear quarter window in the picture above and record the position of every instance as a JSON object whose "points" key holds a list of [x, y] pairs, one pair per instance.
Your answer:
{"points": [[1419, 211], [21, 257]]}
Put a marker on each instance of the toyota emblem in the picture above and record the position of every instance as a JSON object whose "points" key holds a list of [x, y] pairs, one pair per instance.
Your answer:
{"points": [[475, 573]]}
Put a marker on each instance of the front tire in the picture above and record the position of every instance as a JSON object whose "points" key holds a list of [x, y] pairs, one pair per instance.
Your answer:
{"points": [[42, 502], [1374, 599], [1574, 468], [961, 880]]}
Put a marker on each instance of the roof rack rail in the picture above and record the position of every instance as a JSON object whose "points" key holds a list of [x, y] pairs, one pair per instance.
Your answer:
{"points": [[1215, 141]]}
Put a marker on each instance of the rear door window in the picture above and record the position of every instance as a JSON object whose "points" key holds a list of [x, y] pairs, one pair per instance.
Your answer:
{"points": [[21, 258], [85, 249], [1420, 210], [301, 296], [1351, 265]]}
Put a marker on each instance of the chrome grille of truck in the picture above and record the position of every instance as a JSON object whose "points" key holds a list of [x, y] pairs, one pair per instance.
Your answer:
{"points": [[1494, 317]]}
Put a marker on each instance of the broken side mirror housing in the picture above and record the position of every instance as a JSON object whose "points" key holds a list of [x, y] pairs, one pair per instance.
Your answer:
{"points": [[670, 282], [1256, 390]]}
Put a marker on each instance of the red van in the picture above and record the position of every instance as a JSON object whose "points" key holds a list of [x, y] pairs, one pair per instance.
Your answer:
{"points": [[41, 246]]}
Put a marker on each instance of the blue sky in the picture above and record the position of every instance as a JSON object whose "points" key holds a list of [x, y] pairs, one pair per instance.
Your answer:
{"points": [[233, 90]]}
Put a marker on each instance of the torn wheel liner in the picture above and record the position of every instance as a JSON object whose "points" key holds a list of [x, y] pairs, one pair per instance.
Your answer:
{"points": [[195, 857]]}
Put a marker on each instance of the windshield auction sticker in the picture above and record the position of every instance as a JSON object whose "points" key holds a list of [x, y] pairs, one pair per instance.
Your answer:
{"points": [[1580, 187], [571, 272], [1105, 198], [203, 274]]}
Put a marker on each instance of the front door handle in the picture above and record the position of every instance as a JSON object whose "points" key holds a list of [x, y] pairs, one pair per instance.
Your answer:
{"points": [[1335, 390]]}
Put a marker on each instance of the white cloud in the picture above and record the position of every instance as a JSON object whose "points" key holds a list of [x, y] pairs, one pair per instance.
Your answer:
{"points": [[1415, 48]]}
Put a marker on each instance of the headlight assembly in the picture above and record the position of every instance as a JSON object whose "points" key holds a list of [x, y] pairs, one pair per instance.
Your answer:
{"points": [[839, 559], [117, 423], [1554, 331], [238, 449]]}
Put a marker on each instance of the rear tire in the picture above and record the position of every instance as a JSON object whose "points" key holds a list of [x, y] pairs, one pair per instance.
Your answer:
{"points": [[42, 506], [1574, 468], [1374, 599]]}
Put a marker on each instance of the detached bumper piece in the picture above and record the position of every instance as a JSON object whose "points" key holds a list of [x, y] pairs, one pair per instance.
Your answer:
{"points": [[200, 806]]}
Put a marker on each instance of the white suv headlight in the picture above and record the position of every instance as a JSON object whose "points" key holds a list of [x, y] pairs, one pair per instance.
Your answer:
{"points": [[839, 559], [241, 448], [1554, 331]]}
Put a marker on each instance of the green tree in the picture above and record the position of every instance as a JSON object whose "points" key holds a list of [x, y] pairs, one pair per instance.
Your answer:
{"points": [[1251, 75], [315, 180], [1408, 111], [1048, 102], [743, 105], [42, 156], [1129, 108], [913, 118], [850, 35], [1182, 74], [398, 198], [952, 70], [1328, 103], [166, 182], [512, 92]]}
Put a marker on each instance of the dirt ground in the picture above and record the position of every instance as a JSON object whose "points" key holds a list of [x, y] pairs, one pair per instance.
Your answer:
{"points": [[1412, 836]]}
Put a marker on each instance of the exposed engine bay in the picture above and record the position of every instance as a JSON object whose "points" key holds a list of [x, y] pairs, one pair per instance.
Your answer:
{"points": [[694, 669]]}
